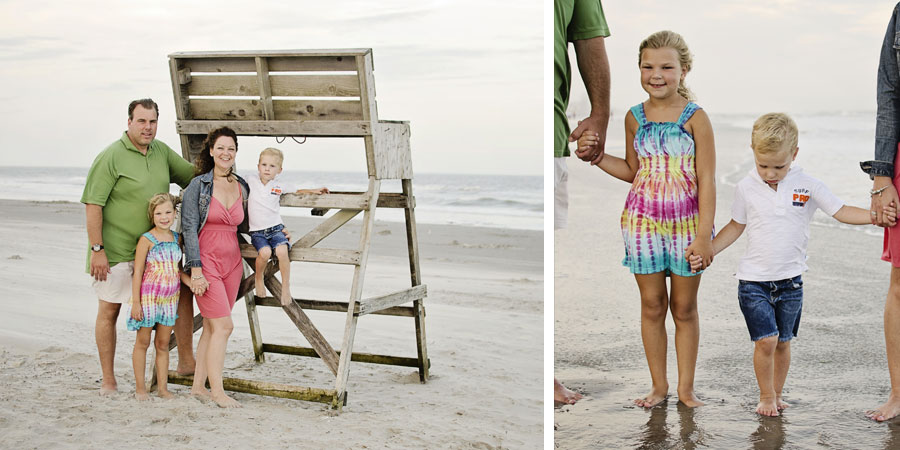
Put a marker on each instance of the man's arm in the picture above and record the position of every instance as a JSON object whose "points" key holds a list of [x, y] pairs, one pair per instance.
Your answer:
{"points": [[593, 65], [99, 263]]}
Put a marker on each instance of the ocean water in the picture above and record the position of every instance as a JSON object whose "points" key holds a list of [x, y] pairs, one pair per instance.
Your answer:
{"points": [[497, 201]]}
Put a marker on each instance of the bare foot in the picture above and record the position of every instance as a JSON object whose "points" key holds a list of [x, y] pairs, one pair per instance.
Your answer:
{"points": [[564, 396], [225, 401], [286, 296], [260, 289], [108, 389], [200, 394], [767, 407], [654, 398], [782, 405], [689, 399], [141, 396], [165, 394], [887, 411]]}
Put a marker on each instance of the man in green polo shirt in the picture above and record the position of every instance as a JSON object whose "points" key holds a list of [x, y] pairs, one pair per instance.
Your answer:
{"points": [[119, 185], [581, 22]]}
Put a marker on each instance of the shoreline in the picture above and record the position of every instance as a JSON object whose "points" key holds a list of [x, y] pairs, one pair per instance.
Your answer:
{"points": [[485, 301]]}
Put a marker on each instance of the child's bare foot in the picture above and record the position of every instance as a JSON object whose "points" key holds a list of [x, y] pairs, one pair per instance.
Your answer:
{"points": [[887, 411], [767, 407], [563, 395], [108, 388], [260, 288], [165, 394], [141, 396], [782, 405], [654, 398], [225, 401], [689, 399], [286, 296]]}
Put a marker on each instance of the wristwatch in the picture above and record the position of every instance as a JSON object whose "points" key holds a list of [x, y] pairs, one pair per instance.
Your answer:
{"points": [[97, 247]]}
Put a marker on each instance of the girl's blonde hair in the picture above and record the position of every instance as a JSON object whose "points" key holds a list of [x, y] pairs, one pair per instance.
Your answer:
{"points": [[673, 40], [160, 199]]}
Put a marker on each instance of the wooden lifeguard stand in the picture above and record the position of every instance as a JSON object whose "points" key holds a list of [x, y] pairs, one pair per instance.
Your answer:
{"points": [[320, 93]]}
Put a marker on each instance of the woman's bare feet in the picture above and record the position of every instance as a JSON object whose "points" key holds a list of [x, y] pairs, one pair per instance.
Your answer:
{"points": [[782, 405], [225, 401], [141, 396], [200, 394], [887, 411], [689, 399], [108, 389], [767, 407], [654, 398], [564, 396], [165, 394]]}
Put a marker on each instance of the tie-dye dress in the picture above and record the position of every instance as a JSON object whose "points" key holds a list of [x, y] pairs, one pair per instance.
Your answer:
{"points": [[160, 285], [661, 211]]}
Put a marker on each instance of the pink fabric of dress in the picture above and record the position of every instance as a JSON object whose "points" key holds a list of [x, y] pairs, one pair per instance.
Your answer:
{"points": [[220, 255]]}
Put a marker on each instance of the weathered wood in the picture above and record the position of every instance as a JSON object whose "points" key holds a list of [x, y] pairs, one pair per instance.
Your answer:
{"points": [[252, 316], [327, 227], [318, 128], [324, 305], [263, 388], [183, 76], [391, 150], [218, 109], [265, 89], [374, 304], [415, 275], [385, 199], [359, 274], [243, 85], [317, 110], [320, 255], [314, 85], [364, 69], [312, 334], [198, 324], [294, 53], [333, 201], [357, 357]]}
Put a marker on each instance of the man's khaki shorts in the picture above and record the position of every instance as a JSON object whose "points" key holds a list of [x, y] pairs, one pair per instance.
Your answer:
{"points": [[117, 287]]}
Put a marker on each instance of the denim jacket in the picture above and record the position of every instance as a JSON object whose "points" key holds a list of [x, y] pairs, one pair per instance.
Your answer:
{"points": [[195, 208], [887, 120]]}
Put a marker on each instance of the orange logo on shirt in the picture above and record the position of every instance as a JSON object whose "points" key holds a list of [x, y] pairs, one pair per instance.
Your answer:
{"points": [[276, 191], [800, 197]]}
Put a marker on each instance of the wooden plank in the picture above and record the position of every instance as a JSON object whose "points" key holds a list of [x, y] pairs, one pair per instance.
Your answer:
{"points": [[358, 357], [218, 109], [265, 89], [317, 110], [392, 153], [357, 201], [325, 228], [263, 388], [318, 128], [270, 53], [365, 68], [359, 274], [314, 85], [373, 304], [319, 255], [244, 85], [218, 64], [198, 324], [252, 316], [415, 275], [325, 305]]}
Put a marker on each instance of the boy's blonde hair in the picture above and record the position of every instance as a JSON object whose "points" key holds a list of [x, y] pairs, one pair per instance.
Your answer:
{"points": [[271, 151], [774, 132], [673, 40], [160, 199]]}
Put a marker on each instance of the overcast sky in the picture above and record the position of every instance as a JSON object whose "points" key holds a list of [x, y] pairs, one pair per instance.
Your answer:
{"points": [[797, 56], [469, 83]]}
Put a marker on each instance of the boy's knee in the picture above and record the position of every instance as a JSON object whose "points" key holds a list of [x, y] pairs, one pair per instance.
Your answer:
{"points": [[265, 252], [782, 346], [767, 344], [281, 251]]}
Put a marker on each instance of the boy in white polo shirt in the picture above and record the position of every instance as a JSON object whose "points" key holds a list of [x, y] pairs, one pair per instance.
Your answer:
{"points": [[263, 206], [775, 204]]}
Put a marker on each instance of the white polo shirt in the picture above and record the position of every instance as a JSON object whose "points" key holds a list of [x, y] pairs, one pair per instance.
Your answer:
{"points": [[778, 223], [263, 205]]}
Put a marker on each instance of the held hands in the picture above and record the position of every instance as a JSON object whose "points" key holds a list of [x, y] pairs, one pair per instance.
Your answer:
{"points": [[199, 285], [890, 214], [699, 254], [588, 145], [884, 203], [592, 154]]}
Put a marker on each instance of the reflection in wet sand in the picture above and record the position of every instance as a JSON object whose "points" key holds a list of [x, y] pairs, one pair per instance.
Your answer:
{"points": [[658, 433], [770, 433]]}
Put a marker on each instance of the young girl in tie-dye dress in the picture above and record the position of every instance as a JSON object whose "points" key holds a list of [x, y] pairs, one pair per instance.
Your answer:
{"points": [[155, 289], [670, 161]]}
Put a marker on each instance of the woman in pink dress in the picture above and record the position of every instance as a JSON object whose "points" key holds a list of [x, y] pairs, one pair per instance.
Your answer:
{"points": [[214, 209]]}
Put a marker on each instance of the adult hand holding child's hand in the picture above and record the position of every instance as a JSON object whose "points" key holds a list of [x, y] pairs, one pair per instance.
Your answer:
{"points": [[885, 198]]}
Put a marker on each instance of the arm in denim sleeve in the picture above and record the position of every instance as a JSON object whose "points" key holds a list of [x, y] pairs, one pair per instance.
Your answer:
{"points": [[190, 224], [887, 121]]}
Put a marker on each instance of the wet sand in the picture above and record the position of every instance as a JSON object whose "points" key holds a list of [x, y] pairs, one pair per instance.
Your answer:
{"points": [[838, 369]]}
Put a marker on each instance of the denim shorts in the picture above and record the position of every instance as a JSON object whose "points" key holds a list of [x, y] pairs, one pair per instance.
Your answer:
{"points": [[270, 237], [772, 308]]}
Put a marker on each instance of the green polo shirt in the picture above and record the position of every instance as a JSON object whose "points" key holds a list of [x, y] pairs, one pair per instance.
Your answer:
{"points": [[122, 180], [573, 20]]}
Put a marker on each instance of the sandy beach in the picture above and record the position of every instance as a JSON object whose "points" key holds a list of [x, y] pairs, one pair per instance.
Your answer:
{"points": [[838, 369], [484, 334]]}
